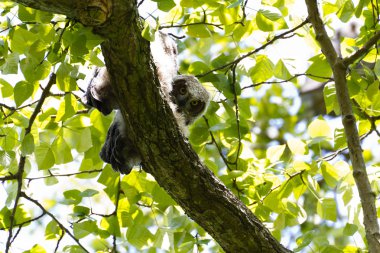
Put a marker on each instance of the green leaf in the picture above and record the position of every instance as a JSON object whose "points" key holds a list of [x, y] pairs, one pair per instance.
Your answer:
{"points": [[330, 174], [270, 19], [228, 16], [36, 249], [80, 139], [263, 69], [61, 151], [9, 140], [345, 13], [221, 60], [67, 108], [199, 134], [191, 3], [165, 5], [37, 51], [31, 15], [72, 197], [198, 30], [197, 68], [11, 64], [319, 128], [22, 39], [297, 147], [65, 81], [81, 211], [159, 238], [281, 71], [110, 179], [329, 8], [148, 32], [360, 6], [274, 153], [52, 230], [235, 4], [138, 236], [5, 213], [111, 224], [22, 91], [84, 228], [319, 68], [5, 88], [340, 140], [27, 145], [44, 156], [350, 229], [326, 209], [26, 14], [78, 47], [304, 240], [331, 101], [34, 71], [89, 193], [73, 249]]}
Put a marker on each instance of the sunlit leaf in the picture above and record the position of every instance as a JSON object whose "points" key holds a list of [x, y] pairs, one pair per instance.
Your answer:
{"points": [[52, 230], [84, 228], [22, 91], [326, 209], [44, 156], [319, 128], [297, 146], [319, 69], [346, 12], [274, 153], [27, 146]]}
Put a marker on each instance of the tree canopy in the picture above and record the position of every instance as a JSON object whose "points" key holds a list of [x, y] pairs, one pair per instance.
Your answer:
{"points": [[285, 159]]}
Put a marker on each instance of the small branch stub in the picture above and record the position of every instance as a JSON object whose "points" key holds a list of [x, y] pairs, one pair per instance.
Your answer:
{"points": [[95, 12]]}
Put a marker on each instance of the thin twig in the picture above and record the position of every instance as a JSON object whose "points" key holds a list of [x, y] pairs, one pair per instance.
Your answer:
{"points": [[217, 146], [54, 218], [280, 36], [63, 175], [26, 222], [285, 81], [21, 165], [237, 116], [364, 50]]}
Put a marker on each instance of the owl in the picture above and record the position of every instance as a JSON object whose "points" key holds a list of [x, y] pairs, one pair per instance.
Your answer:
{"points": [[186, 96]]}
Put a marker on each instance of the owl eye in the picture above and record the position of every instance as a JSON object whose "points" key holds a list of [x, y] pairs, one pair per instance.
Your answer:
{"points": [[182, 90], [197, 106], [194, 102]]}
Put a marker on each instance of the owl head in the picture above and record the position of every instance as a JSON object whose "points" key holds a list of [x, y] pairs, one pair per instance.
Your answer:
{"points": [[190, 97]]}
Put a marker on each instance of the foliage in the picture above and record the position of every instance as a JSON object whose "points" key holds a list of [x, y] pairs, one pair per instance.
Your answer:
{"points": [[261, 135]]}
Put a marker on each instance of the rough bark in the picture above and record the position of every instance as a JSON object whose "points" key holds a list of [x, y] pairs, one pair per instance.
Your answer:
{"points": [[150, 124], [339, 67]]}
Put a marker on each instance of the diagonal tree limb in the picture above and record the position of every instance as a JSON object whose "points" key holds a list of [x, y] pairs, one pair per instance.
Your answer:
{"points": [[150, 124], [339, 68]]}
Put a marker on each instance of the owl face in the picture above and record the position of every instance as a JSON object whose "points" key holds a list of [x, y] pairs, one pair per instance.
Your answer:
{"points": [[190, 97]]}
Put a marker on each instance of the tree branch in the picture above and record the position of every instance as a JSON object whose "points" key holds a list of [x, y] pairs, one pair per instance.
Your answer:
{"points": [[164, 151], [277, 37], [339, 67], [89, 12], [21, 165], [55, 219], [150, 125], [364, 50]]}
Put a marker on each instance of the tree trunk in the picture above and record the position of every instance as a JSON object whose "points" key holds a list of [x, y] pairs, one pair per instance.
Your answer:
{"points": [[166, 154]]}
